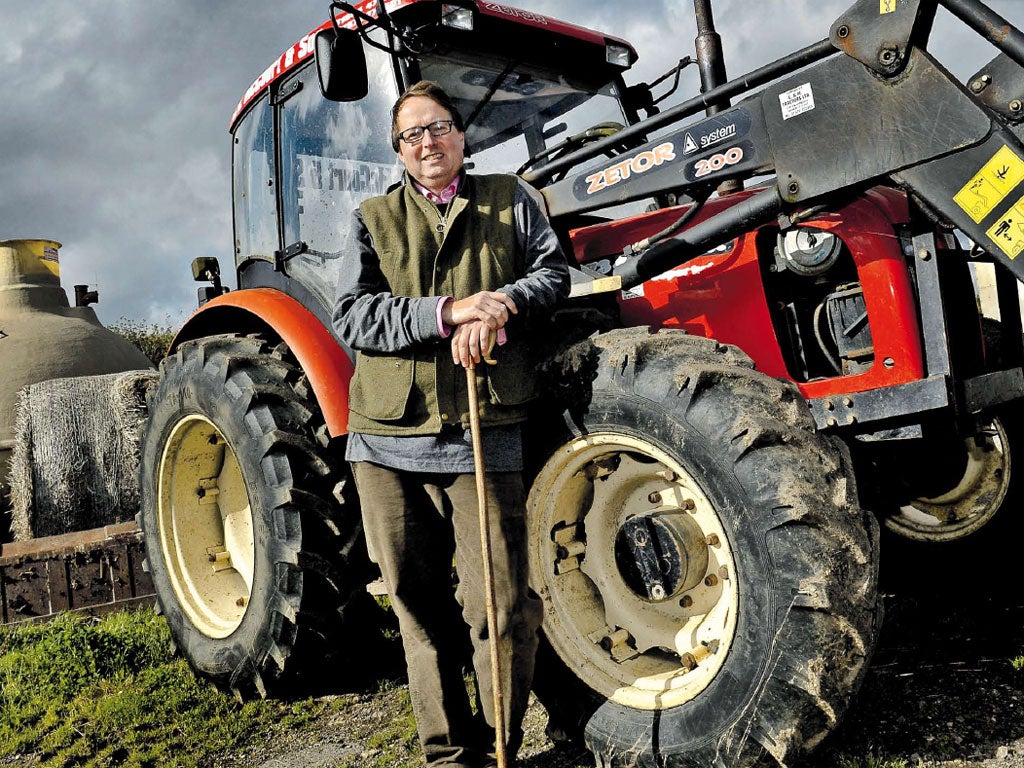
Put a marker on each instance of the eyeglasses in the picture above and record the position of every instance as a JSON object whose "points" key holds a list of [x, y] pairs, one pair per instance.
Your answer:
{"points": [[414, 135]]}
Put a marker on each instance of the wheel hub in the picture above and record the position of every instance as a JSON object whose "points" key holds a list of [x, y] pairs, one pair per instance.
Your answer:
{"points": [[970, 500], [634, 563], [661, 555]]}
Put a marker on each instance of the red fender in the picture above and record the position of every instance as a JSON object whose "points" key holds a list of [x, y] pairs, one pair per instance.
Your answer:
{"points": [[324, 361]]}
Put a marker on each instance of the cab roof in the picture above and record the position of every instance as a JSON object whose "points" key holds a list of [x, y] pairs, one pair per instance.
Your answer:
{"points": [[302, 50]]}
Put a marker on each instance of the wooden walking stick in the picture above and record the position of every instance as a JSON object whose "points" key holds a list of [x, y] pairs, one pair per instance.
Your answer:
{"points": [[485, 549]]}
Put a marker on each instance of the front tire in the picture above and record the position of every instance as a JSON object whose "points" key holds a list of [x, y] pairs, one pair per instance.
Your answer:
{"points": [[742, 639], [250, 553]]}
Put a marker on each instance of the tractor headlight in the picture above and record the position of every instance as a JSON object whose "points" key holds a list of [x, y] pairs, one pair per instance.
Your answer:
{"points": [[617, 55], [457, 17], [808, 251]]}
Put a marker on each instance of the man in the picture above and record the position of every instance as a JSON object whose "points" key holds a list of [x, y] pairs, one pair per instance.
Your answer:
{"points": [[435, 269]]}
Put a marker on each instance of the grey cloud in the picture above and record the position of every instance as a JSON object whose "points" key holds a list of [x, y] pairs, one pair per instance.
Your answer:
{"points": [[114, 137]]}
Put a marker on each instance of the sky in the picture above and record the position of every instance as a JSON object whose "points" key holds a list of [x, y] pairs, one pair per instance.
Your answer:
{"points": [[113, 130]]}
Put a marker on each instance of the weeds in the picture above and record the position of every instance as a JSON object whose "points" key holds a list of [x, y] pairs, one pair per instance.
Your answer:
{"points": [[153, 339], [872, 761]]}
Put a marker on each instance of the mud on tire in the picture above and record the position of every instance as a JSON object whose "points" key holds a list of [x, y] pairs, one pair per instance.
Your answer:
{"points": [[252, 556], [745, 641]]}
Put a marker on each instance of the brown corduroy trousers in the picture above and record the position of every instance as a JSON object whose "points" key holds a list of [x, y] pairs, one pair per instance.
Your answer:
{"points": [[416, 523]]}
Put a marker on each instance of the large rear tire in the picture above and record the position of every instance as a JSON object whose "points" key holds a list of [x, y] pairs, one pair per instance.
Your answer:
{"points": [[709, 580], [251, 554]]}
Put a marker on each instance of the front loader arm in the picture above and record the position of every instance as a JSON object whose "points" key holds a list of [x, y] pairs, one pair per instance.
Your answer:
{"points": [[881, 110]]}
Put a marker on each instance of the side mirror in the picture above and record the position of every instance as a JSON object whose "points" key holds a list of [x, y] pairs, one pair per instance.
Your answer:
{"points": [[207, 269], [341, 64]]}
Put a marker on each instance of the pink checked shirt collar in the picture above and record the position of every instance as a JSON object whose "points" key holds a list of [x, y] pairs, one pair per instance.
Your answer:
{"points": [[446, 194]]}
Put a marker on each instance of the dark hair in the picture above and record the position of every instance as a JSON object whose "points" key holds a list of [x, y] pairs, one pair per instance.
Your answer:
{"points": [[432, 91]]}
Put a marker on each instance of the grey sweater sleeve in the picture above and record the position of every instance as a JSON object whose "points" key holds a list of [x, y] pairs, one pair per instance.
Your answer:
{"points": [[367, 316], [546, 280]]}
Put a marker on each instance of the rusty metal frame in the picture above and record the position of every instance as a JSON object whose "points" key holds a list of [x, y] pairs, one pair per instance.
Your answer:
{"points": [[92, 571]]}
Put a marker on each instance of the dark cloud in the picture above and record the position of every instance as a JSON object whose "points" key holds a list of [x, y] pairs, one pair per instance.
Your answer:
{"points": [[114, 137]]}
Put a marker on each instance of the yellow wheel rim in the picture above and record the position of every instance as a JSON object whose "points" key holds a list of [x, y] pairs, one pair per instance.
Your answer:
{"points": [[205, 526]]}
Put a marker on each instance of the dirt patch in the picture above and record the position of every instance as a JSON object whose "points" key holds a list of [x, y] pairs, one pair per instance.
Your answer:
{"points": [[941, 692]]}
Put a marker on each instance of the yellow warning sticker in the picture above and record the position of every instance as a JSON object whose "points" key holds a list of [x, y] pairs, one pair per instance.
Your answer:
{"points": [[991, 184], [886, 6], [1008, 232]]}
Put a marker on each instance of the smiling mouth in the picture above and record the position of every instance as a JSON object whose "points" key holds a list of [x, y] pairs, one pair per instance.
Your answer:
{"points": [[435, 156]]}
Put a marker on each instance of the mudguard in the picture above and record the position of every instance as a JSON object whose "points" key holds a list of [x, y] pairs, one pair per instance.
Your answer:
{"points": [[250, 310]]}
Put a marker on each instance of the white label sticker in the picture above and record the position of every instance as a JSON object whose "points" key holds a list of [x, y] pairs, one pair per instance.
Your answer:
{"points": [[796, 101]]}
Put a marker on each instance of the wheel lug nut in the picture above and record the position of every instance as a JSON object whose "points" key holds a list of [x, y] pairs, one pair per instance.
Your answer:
{"points": [[723, 572], [711, 580], [686, 602], [712, 540], [654, 498]]}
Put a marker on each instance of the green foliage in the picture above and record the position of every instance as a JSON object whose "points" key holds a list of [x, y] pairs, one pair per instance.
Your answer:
{"points": [[1018, 663], [87, 693], [153, 339]]}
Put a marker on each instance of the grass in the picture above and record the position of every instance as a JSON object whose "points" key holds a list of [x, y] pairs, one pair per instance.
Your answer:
{"points": [[81, 692], [395, 740]]}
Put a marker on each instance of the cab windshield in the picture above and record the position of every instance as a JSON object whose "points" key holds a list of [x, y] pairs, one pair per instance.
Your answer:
{"points": [[515, 111]]}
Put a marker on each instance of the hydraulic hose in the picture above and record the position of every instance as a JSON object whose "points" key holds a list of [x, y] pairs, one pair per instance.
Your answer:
{"points": [[670, 230]]}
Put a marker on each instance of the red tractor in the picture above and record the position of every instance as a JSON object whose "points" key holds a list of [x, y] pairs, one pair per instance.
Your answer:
{"points": [[774, 343]]}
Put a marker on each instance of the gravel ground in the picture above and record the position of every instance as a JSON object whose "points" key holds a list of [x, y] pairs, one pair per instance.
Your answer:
{"points": [[941, 692]]}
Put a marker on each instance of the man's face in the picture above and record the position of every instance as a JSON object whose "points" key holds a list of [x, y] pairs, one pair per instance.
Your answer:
{"points": [[435, 160]]}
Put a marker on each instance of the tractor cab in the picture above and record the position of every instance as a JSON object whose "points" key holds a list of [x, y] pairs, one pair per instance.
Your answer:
{"points": [[528, 87]]}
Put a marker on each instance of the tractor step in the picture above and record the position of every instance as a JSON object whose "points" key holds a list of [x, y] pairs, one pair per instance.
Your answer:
{"points": [[93, 571]]}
